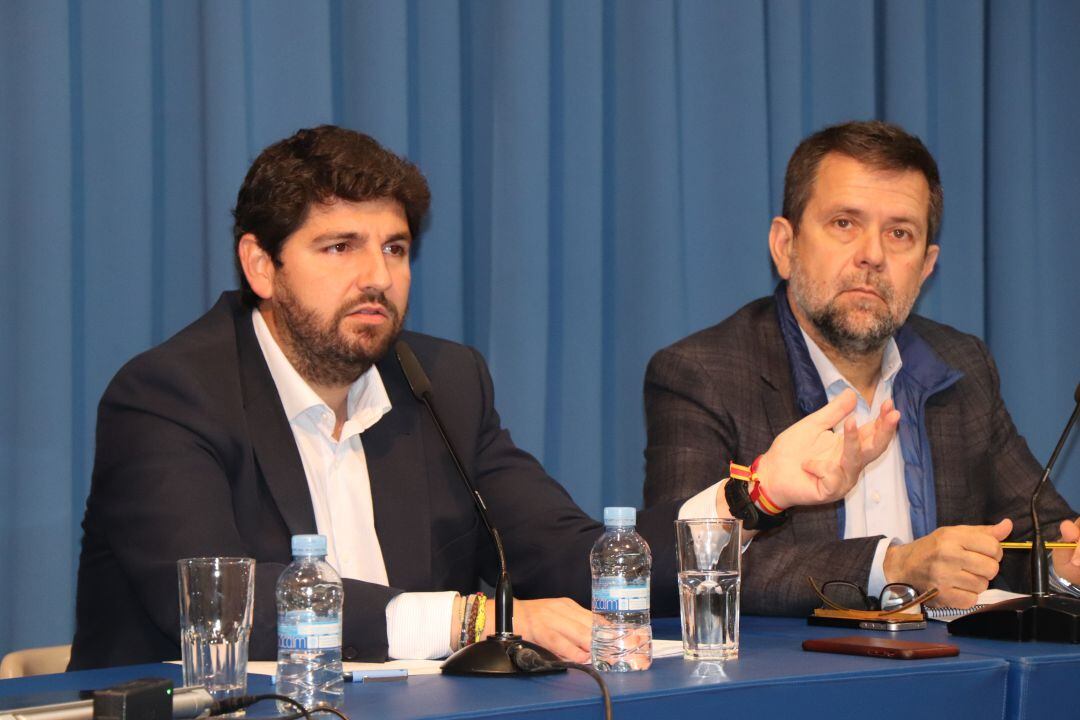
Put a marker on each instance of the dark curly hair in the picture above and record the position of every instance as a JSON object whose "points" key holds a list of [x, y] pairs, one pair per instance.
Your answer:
{"points": [[317, 165], [880, 145]]}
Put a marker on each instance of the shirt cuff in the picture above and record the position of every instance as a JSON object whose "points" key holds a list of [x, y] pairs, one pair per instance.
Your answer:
{"points": [[876, 582], [418, 625], [702, 505], [1059, 583]]}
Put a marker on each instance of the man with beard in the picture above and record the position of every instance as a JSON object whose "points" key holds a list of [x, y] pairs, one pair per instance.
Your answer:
{"points": [[282, 411], [856, 241]]}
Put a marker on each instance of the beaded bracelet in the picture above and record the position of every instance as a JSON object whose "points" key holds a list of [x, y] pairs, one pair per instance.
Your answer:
{"points": [[481, 616], [465, 638]]}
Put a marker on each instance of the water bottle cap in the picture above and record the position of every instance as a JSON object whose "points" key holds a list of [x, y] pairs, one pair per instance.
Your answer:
{"points": [[620, 516], [308, 545]]}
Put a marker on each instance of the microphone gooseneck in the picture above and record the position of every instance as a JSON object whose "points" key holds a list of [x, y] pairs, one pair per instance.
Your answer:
{"points": [[497, 654], [1039, 569], [1044, 615]]}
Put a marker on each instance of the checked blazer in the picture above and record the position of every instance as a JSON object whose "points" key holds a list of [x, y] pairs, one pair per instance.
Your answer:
{"points": [[724, 393]]}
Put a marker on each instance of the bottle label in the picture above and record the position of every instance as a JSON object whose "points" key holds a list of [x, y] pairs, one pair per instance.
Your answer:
{"points": [[617, 594], [318, 634]]}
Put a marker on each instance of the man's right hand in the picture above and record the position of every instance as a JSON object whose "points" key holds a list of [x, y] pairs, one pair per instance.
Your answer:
{"points": [[959, 560]]}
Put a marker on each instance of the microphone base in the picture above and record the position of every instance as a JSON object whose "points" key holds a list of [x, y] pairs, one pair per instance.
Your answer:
{"points": [[1042, 618], [491, 656]]}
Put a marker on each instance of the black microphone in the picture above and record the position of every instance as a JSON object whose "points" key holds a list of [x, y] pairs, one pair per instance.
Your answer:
{"points": [[1045, 615], [1039, 571], [498, 653]]}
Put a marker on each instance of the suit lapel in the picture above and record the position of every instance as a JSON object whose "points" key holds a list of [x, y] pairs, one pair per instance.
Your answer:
{"points": [[271, 437], [399, 492], [778, 396], [782, 411]]}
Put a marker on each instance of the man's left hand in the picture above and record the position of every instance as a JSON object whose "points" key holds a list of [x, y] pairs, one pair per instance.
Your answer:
{"points": [[1066, 561], [809, 464], [558, 624]]}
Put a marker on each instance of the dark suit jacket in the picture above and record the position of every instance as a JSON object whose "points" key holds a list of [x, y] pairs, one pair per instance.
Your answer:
{"points": [[724, 393], [195, 457]]}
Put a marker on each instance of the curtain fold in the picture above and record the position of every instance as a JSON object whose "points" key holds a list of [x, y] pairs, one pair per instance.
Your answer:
{"points": [[603, 174]]}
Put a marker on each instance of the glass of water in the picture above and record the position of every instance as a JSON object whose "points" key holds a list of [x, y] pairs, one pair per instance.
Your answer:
{"points": [[216, 602], [709, 566]]}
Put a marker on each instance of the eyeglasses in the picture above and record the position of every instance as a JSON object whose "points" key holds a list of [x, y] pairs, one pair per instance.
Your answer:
{"points": [[894, 597]]}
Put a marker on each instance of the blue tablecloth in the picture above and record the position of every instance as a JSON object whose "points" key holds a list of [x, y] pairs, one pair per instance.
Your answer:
{"points": [[1042, 676], [772, 677]]}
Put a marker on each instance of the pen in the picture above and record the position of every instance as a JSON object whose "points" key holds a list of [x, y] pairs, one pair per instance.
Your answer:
{"points": [[1027, 545], [386, 675]]}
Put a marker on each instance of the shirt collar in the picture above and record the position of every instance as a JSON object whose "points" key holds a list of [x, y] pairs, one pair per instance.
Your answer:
{"points": [[367, 399], [831, 378]]}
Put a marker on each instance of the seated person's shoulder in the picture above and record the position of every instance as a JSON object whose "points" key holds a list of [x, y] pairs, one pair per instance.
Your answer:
{"points": [[729, 344], [202, 356], [962, 352], [457, 372], [959, 349]]}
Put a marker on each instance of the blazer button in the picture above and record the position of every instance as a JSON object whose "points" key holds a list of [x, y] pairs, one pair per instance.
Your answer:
{"points": [[349, 653]]}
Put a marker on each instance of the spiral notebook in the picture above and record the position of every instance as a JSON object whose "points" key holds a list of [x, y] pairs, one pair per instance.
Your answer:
{"points": [[987, 597]]}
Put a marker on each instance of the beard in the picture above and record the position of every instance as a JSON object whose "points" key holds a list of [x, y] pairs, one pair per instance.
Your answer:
{"points": [[855, 327], [322, 351]]}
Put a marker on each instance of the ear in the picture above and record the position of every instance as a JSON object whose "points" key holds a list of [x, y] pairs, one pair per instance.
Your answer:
{"points": [[257, 265], [929, 261], [781, 239]]}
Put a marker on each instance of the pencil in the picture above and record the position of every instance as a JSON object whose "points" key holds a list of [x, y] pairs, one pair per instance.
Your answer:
{"points": [[1027, 545]]}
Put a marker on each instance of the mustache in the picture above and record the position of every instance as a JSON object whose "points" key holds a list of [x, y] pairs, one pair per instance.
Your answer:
{"points": [[370, 299], [880, 285]]}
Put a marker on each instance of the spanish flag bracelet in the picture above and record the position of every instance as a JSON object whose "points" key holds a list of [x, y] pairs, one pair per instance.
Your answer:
{"points": [[757, 493]]}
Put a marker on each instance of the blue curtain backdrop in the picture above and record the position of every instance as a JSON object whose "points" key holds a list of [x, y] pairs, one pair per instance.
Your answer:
{"points": [[603, 175]]}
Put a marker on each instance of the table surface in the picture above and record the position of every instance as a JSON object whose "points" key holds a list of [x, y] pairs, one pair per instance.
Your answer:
{"points": [[988, 679]]}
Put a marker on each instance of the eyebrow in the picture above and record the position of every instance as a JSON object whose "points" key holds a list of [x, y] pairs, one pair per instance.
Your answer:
{"points": [[847, 210], [350, 235]]}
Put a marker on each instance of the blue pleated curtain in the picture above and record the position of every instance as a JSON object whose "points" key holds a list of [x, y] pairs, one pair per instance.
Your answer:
{"points": [[603, 176]]}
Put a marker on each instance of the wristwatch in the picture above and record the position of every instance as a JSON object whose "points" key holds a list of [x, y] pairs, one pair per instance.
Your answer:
{"points": [[743, 508]]}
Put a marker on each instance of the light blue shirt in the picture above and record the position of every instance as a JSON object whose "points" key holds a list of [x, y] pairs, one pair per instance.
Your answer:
{"points": [[878, 504]]}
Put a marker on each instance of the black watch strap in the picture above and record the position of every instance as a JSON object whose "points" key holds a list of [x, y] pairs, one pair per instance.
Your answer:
{"points": [[737, 494]]}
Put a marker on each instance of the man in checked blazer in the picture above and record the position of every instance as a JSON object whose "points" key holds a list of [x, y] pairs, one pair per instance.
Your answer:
{"points": [[862, 206]]}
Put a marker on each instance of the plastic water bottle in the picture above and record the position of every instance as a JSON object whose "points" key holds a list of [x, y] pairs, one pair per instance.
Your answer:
{"points": [[309, 599], [621, 564]]}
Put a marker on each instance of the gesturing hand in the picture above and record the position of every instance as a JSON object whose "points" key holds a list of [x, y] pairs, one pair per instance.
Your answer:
{"points": [[809, 464]]}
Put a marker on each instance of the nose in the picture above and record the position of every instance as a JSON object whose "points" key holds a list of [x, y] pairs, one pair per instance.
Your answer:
{"points": [[372, 272], [870, 251]]}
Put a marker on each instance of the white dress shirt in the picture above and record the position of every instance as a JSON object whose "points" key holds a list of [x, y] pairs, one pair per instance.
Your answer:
{"points": [[340, 489], [417, 623], [878, 504]]}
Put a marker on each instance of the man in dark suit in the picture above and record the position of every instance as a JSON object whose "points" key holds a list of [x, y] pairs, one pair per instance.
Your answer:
{"points": [[281, 411], [862, 206]]}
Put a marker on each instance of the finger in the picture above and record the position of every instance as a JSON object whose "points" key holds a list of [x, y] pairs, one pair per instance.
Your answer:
{"points": [[830, 416], [563, 647], [970, 582], [851, 456], [983, 539], [876, 436], [1002, 529], [1071, 533], [979, 565]]}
